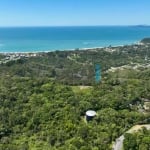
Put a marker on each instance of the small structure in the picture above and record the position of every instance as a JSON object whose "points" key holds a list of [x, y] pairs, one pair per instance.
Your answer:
{"points": [[90, 114], [97, 73]]}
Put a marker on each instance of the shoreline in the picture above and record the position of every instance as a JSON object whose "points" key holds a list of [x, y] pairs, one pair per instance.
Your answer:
{"points": [[75, 49], [11, 56]]}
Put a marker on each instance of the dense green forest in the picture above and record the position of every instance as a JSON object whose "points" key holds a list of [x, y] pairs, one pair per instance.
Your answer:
{"points": [[137, 141], [42, 106]]}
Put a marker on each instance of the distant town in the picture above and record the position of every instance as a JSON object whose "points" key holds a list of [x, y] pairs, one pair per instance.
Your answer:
{"points": [[16, 56]]}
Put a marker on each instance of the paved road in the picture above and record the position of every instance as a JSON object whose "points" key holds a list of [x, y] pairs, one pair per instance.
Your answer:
{"points": [[119, 141]]}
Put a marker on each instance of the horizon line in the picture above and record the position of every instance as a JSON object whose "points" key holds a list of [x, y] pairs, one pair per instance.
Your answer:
{"points": [[17, 26]]}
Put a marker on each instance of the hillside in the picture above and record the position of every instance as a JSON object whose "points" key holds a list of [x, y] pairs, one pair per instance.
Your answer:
{"points": [[42, 105], [76, 67], [146, 41]]}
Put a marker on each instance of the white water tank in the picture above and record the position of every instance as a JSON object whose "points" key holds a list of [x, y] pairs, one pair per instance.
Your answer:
{"points": [[90, 114]]}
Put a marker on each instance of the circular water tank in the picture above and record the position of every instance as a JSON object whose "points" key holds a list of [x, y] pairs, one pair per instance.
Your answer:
{"points": [[90, 113]]}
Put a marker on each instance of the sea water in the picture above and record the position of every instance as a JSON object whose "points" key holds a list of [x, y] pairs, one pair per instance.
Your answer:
{"points": [[37, 39]]}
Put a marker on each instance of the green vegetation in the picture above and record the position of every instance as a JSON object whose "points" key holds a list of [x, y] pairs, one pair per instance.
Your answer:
{"points": [[137, 141], [1, 57], [76, 67], [41, 108], [146, 41]]}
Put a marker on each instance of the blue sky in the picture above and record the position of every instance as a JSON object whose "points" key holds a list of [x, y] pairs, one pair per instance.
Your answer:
{"points": [[74, 12]]}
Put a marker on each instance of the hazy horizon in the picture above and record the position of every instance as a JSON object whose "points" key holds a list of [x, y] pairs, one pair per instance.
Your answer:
{"points": [[145, 25]]}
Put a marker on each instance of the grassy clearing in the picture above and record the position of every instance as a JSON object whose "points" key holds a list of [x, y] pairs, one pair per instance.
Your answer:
{"points": [[81, 89]]}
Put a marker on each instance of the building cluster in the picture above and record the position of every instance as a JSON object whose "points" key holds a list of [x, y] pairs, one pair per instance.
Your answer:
{"points": [[16, 56]]}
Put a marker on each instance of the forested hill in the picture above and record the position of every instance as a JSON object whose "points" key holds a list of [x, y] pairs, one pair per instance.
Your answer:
{"points": [[42, 109], [75, 67]]}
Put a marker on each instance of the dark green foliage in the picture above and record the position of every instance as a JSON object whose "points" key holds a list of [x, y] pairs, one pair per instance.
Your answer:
{"points": [[137, 141], [38, 113], [146, 41], [39, 110]]}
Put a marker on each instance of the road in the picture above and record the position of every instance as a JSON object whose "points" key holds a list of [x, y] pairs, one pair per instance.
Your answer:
{"points": [[118, 145]]}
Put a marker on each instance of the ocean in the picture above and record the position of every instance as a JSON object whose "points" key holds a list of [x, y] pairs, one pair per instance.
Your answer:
{"points": [[40, 39]]}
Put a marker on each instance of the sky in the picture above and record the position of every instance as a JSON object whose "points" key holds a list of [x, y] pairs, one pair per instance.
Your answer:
{"points": [[74, 12]]}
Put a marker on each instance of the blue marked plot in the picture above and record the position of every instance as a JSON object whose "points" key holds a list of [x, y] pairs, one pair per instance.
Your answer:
{"points": [[97, 73]]}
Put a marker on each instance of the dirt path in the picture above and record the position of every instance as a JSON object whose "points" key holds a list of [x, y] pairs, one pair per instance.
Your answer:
{"points": [[138, 127]]}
